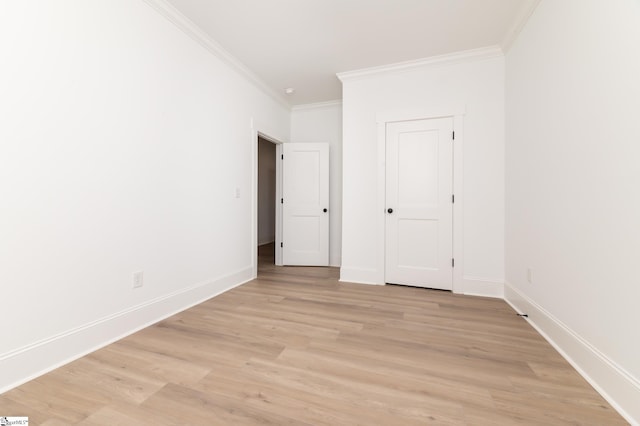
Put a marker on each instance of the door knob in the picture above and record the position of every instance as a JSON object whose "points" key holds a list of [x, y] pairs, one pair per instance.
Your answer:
{"points": [[389, 210], [324, 210]]}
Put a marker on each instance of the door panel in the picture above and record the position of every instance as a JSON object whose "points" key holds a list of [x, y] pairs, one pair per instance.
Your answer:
{"points": [[419, 184], [305, 189], [417, 243]]}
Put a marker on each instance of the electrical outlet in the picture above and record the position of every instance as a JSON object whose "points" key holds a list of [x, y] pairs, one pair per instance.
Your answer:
{"points": [[529, 276], [138, 279]]}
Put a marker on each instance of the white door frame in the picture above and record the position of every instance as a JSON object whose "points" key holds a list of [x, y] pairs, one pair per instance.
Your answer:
{"points": [[382, 118], [265, 132]]}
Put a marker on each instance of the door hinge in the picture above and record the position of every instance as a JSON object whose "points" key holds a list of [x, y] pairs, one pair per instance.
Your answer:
{"points": [[281, 200], [281, 245], [453, 263], [282, 157], [453, 135], [453, 198]]}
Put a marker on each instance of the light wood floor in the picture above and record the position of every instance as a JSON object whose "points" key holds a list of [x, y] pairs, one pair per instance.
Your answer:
{"points": [[297, 347]]}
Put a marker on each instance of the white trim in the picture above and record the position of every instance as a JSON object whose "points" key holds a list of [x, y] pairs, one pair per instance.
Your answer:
{"points": [[359, 276], [615, 384], [174, 16], [485, 287], [525, 12], [317, 105], [457, 114], [420, 114], [278, 249], [24, 364], [448, 59], [458, 206]]}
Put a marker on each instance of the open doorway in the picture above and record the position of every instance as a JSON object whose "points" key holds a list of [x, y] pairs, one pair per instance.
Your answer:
{"points": [[267, 195], [308, 171]]}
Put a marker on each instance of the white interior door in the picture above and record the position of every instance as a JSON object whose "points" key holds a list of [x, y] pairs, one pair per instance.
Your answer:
{"points": [[419, 218], [305, 204]]}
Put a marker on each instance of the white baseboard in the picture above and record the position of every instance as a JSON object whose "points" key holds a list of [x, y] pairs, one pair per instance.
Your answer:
{"points": [[27, 363], [472, 286], [360, 276], [616, 385], [477, 286]]}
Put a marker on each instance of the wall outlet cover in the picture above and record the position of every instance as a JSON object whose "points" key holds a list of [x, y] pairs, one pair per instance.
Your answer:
{"points": [[138, 279]]}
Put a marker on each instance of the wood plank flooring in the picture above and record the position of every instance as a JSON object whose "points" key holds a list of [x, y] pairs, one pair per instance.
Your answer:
{"points": [[297, 347]]}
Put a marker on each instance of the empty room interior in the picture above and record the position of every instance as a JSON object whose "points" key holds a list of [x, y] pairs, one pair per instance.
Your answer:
{"points": [[319, 212]]}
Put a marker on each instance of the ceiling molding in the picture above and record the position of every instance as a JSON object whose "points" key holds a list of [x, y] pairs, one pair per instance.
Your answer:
{"points": [[317, 105], [518, 25], [192, 30], [448, 59]]}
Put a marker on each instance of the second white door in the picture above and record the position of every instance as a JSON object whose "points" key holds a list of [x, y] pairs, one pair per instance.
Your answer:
{"points": [[419, 197], [305, 198]]}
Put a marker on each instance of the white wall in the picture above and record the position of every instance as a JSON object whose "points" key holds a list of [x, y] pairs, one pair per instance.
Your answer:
{"points": [[266, 191], [121, 145], [572, 196], [474, 85], [323, 123]]}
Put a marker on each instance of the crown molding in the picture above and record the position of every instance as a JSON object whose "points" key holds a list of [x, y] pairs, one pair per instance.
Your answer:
{"points": [[187, 26], [521, 20], [317, 105], [448, 59]]}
